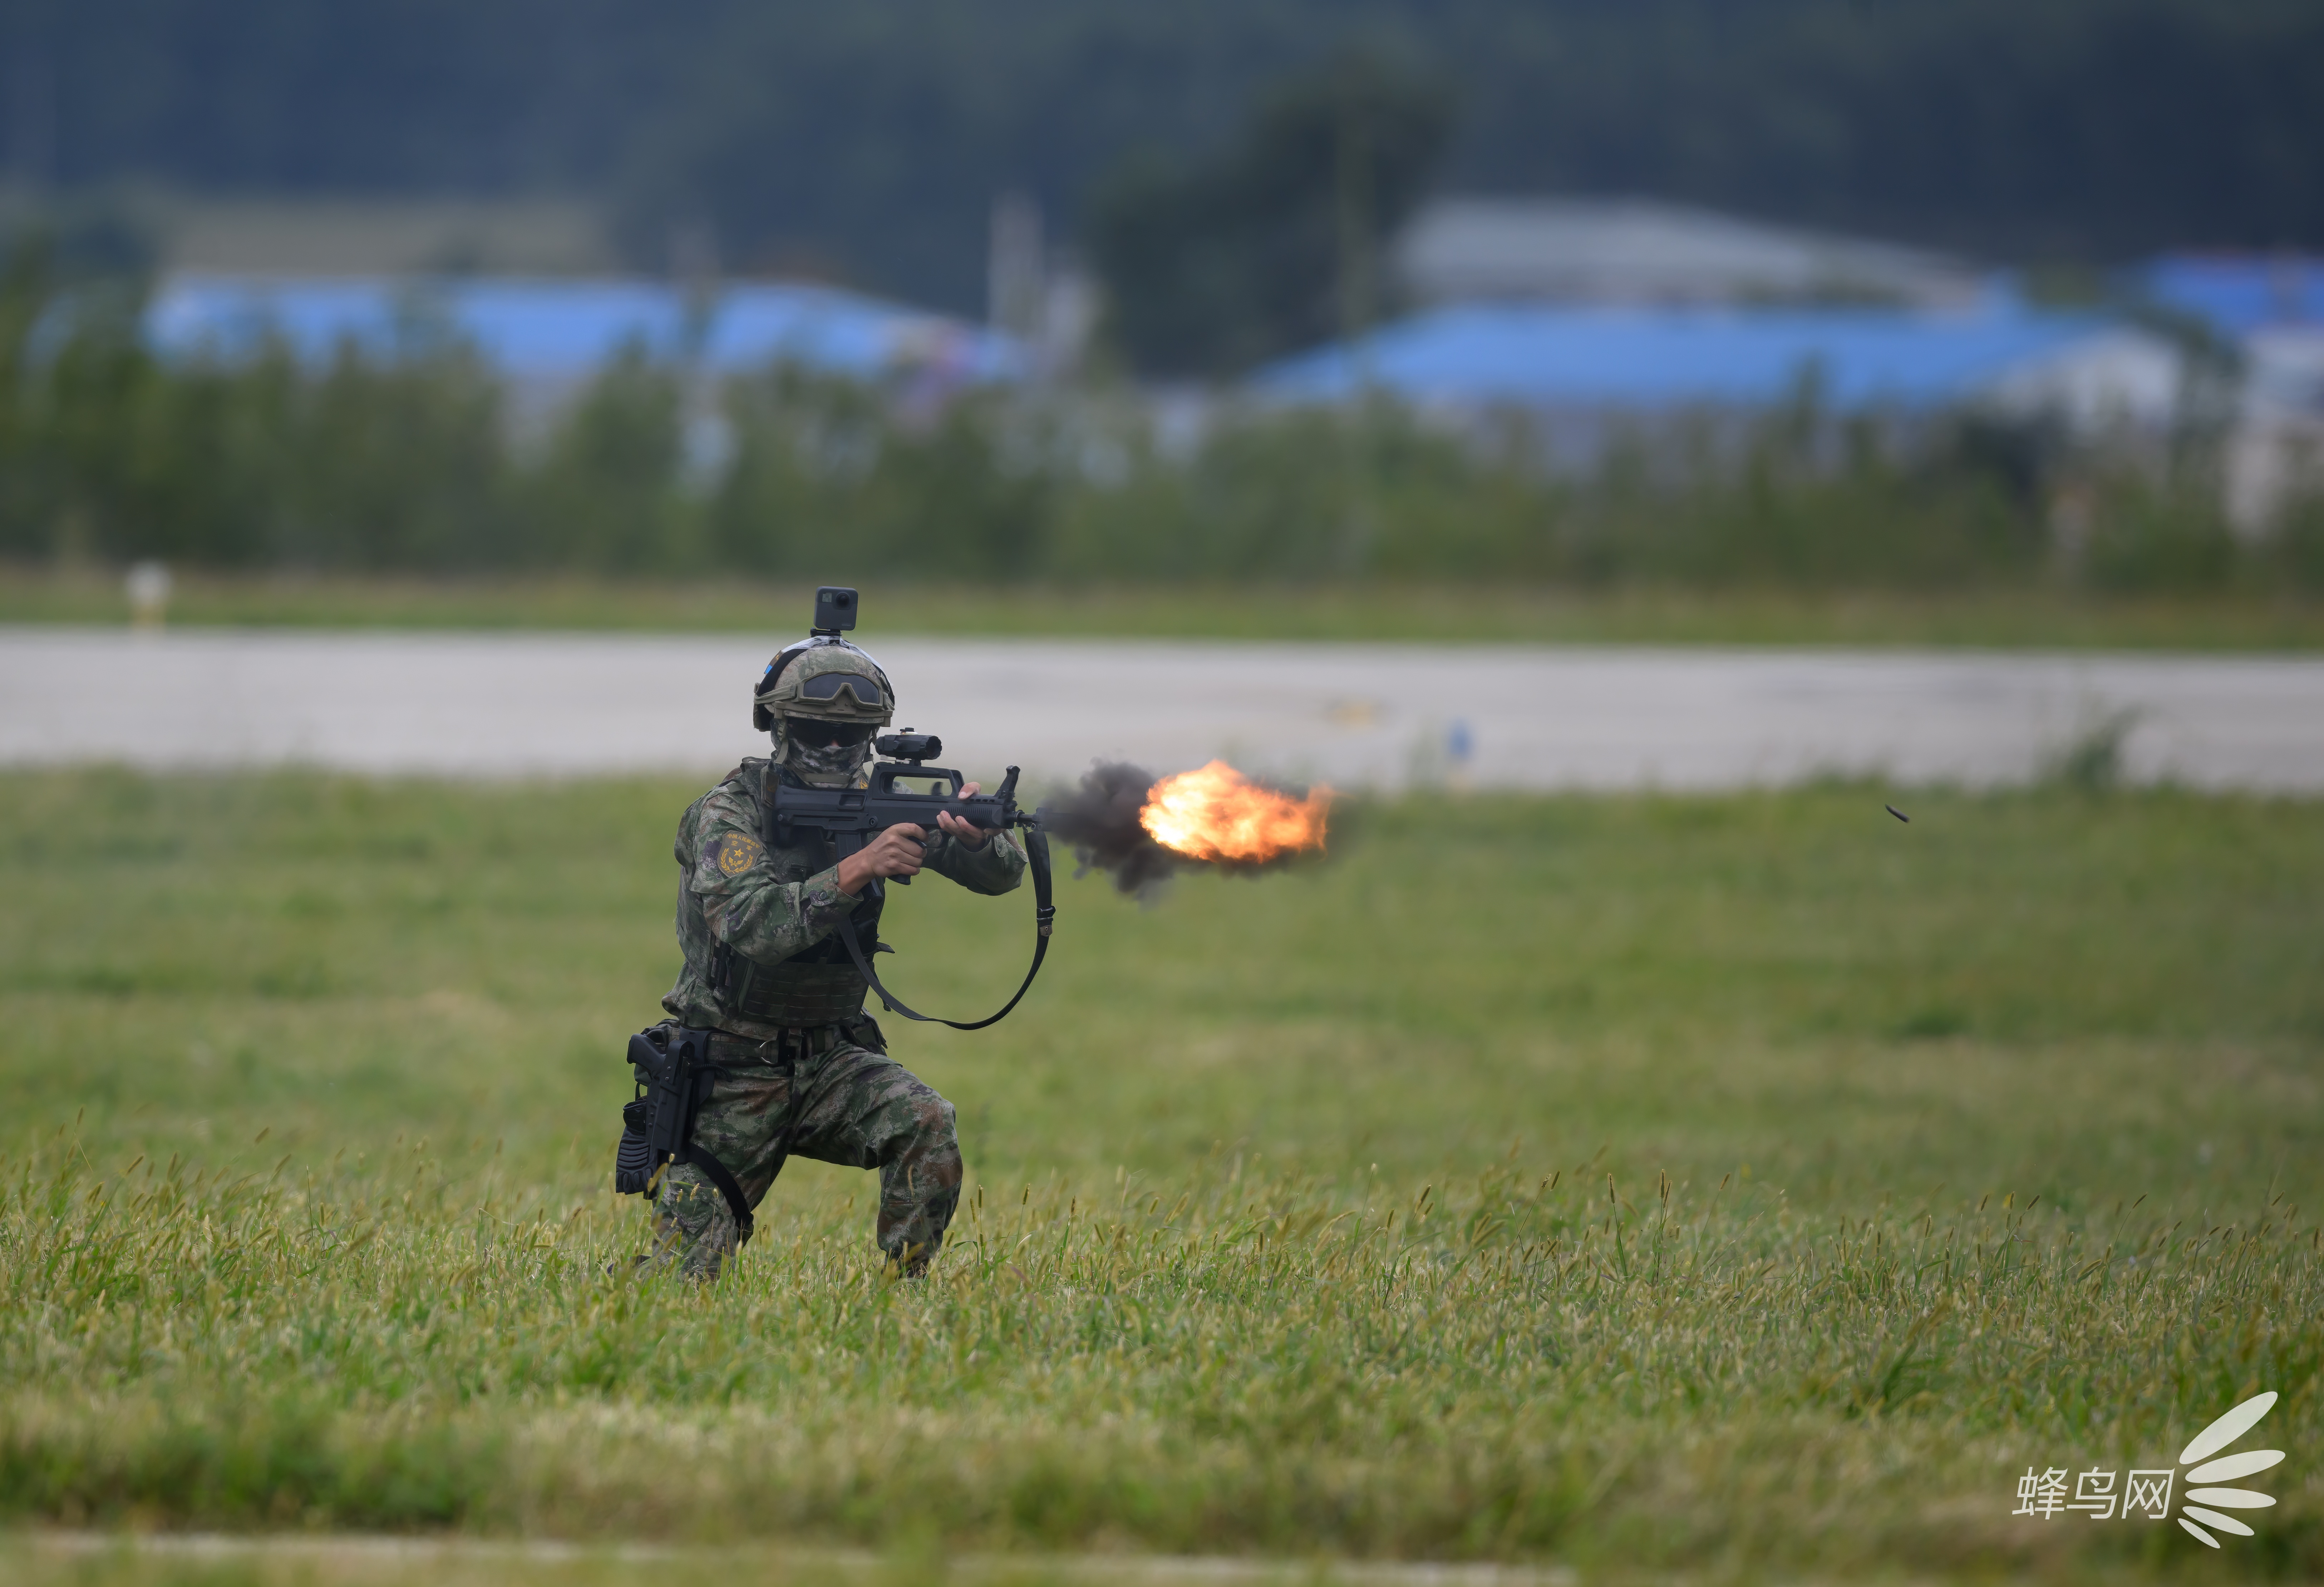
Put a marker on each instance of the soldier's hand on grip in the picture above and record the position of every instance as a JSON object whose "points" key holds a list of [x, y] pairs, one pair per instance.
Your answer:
{"points": [[897, 851]]}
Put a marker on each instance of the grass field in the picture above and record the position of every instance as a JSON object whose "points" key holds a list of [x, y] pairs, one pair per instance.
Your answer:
{"points": [[2239, 621], [1730, 1188]]}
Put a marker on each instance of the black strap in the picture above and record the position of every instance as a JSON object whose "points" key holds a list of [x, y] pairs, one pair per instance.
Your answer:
{"points": [[728, 1187], [1045, 915], [696, 1076], [793, 1047]]}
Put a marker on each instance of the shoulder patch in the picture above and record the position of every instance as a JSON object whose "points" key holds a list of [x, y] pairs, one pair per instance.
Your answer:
{"points": [[737, 852]]}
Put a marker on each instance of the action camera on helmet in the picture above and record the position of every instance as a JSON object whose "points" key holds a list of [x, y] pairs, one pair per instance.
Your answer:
{"points": [[834, 610]]}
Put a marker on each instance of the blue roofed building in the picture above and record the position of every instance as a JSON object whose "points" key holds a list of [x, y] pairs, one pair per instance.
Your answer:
{"points": [[547, 338], [1576, 368], [2271, 308], [1592, 317], [2238, 294]]}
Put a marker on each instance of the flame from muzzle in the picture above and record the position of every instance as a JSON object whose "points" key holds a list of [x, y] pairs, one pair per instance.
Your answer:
{"points": [[1217, 815], [1138, 828]]}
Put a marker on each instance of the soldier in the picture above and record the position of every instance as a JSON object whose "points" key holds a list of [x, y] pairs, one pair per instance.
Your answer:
{"points": [[800, 1068]]}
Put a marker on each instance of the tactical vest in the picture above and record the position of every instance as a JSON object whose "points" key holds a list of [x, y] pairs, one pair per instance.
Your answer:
{"points": [[817, 986], [791, 993]]}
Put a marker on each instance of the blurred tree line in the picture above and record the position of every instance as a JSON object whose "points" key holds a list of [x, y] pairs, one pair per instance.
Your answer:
{"points": [[867, 140], [1277, 241], [109, 453]]}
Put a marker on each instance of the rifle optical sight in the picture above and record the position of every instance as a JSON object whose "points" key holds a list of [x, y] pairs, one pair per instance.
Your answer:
{"points": [[908, 746]]}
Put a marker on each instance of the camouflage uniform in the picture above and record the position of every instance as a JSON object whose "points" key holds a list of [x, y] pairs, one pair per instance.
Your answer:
{"points": [[801, 1067]]}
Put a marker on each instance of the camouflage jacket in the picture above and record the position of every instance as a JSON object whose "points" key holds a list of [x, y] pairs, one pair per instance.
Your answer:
{"points": [[776, 910]]}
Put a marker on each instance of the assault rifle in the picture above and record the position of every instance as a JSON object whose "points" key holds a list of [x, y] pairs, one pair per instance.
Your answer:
{"points": [[850, 817]]}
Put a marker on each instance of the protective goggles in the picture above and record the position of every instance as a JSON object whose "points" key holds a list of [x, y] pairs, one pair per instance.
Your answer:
{"points": [[830, 686], [828, 736]]}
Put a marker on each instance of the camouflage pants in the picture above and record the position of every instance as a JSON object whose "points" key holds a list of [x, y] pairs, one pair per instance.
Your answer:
{"points": [[824, 1095]]}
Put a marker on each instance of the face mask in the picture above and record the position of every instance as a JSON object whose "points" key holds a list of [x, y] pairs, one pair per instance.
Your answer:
{"points": [[823, 765]]}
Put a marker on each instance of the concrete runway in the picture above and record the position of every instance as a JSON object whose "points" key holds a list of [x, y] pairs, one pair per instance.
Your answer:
{"points": [[1385, 715]]}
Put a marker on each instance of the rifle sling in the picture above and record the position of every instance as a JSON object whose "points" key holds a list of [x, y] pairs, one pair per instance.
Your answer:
{"points": [[1045, 915]]}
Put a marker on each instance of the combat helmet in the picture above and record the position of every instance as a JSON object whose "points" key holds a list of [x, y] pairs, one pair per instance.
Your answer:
{"points": [[823, 700]]}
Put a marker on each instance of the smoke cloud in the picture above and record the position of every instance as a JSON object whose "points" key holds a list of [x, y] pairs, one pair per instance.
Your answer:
{"points": [[1099, 819]]}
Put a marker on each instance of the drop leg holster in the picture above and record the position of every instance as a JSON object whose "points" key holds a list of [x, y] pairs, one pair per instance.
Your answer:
{"points": [[674, 1076]]}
